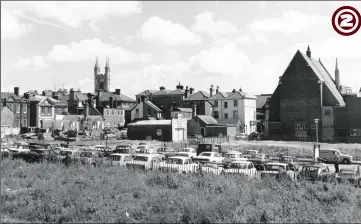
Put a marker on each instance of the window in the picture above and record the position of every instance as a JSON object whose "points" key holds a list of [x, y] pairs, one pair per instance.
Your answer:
{"points": [[17, 108], [235, 103], [42, 110], [235, 114], [225, 115], [107, 112], [25, 109], [18, 123], [113, 112], [138, 100], [118, 112], [301, 127], [216, 114], [225, 104], [313, 126], [25, 123], [216, 103], [49, 111], [136, 112], [327, 113], [122, 113]]}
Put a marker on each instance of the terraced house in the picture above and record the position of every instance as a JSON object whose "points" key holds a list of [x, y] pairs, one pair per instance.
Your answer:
{"points": [[234, 108], [307, 91]]}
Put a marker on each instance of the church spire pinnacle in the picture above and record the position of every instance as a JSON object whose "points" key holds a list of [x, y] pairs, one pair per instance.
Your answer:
{"points": [[96, 62], [308, 52]]}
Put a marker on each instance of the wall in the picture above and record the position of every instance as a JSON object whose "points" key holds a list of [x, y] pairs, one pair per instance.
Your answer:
{"points": [[140, 132], [250, 115], [194, 127], [327, 124], [115, 117], [46, 116], [179, 130], [7, 117], [9, 130], [215, 131]]}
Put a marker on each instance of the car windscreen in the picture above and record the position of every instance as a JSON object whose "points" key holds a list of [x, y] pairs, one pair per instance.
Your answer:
{"points": [[141, 158], [86, 154], [115, 158], [65, 153], [174, 161], [274, 168], [238, 166], [205, 154], [286, 159]]}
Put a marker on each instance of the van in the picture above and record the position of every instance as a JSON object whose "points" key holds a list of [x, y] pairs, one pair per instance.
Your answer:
{"points": [[334, 156]]}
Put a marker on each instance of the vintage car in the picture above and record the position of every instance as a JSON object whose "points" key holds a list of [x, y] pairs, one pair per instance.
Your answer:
{"points": [[44, 154], [232, 156], [335, 156], [259, 159], [167, 151], [244, 167], [291, 161], [349, 175], [278, 171], [206, 157], [188, 152], [179, 164], [72, 154], [124, 149], [119, 159], [142, 147], [93, 158], [19, 148], [105, 150], [144, 161], [315, 172]]}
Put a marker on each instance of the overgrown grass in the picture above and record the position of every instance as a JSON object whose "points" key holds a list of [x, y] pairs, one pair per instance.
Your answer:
{"points": [[54, 193]]}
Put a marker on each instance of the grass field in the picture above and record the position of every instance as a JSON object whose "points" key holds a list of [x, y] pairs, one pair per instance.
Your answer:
{"points": [[55, 193]]}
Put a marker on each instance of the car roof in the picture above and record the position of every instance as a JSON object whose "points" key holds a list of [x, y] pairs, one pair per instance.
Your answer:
{"points": [[234, 152], [277, 164], [119, 154], [242, 161], [178, 157]]}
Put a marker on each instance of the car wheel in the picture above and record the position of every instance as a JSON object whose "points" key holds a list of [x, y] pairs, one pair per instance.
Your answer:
{"points": [[346, 161]]}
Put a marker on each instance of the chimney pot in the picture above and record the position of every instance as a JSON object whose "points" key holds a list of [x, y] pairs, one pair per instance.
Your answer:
{"points": [[117, 91], [16, 91], [110, 102], [234, 90], [161, 88]]}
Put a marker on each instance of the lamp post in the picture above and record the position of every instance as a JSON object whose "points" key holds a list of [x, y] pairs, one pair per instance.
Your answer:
{"points": [[316, 121]]}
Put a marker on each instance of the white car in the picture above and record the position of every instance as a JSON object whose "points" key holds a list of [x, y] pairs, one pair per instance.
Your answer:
{"points": [[233, 156], [119, 159], [188, 152], [20, 148], [144, 161], [212, 168], [142, 147], [179, 164], [206, 157], [276, 170], [242, 167]]}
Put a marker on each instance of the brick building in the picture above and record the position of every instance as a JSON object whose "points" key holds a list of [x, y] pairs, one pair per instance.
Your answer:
{"points": [[307, 91], [19, 105], [262, 104]]}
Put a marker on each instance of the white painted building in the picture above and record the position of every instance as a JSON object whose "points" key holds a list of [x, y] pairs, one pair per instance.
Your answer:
{"points": [[235, 107]]}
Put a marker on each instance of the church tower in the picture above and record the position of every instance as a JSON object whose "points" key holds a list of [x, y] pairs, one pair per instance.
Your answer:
{"points": [[102, 81]]}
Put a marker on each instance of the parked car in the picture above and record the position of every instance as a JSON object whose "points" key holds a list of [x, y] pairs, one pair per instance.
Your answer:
{"points": [[315, 172], [241, 167], [335, 156], [19, 148], [291, 161], [5, 152], [211, 168], [259, 159], [119, 159], [233, 156], [72, 154], [204, 147], [197, 136], [141, 147], [250, 153], [349, 175], [93, 158], [179, 164], [144, 161], [167, 151], [44, 154], [206, 157], [124, 149], [278, 171], [188, 152]]}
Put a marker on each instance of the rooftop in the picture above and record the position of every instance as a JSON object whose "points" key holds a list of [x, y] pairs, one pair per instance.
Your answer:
{"points": [[151, 122]]}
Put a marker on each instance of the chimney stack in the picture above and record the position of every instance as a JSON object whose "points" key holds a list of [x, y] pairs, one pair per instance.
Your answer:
{"points": [[186, 92], [240, 89], [211, 91], [26, 96], [179, 86], [115, 103], [110, 102], [337, 76], [194, 110], [16, 91], [86, 110], [234, 90], [217, 89], [71, 95], [161, 88], [191, 91], [4, 102], [117, 91]]}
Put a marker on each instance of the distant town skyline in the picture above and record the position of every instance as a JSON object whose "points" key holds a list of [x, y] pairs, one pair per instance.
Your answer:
{"points": [[149, 44]]}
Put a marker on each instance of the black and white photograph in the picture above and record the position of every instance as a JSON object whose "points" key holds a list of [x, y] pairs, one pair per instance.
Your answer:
{"points": [[180, 112]]}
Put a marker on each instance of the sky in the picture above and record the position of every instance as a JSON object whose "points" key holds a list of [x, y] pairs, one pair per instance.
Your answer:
{"points": [[248, 45]]}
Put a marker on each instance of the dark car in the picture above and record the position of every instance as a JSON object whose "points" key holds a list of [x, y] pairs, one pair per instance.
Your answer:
{"points": [[41, 154], [204, 147], [124, 149], [316, 172], [257, 159], [167, 151]]}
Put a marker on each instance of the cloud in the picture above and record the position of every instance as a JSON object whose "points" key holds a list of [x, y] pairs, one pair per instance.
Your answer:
{"points": [[75, 13], [11, 27], [36, 62], [89, 49], [205, 23], [112, 38], [348, 48], [157, 30], [289, 23], [223, 61]]}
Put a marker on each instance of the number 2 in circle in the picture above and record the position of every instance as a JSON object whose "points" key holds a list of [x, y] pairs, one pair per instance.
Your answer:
{"points": [[346, 20]]}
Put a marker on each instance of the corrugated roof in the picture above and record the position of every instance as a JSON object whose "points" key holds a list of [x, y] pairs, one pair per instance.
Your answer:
{"points": [[262, 99], [198, 96], [151, 122], [207, 119], [323, 75], [153, 106]]}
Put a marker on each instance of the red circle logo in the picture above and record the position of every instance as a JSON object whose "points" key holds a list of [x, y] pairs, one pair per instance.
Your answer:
{"points": [[346, 20]]}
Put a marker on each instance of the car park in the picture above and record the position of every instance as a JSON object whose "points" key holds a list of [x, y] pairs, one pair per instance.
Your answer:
{"points": [[259, 160], [72, 154], [244, 167], [19, 148], [119, 159]]}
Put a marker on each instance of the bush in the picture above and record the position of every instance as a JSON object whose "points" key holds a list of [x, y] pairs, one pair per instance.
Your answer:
{"points": [[49, 192]]}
